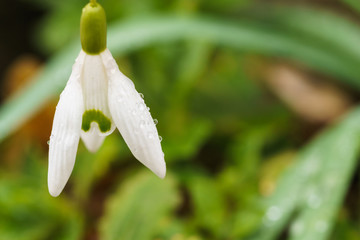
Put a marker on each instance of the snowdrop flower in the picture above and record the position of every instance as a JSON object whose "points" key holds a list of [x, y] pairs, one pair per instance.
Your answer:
{"points": [[97, 99]]}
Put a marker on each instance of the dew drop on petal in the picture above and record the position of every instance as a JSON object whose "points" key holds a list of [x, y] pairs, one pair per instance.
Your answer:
{"points": [[141, 106], [109, 62], [52, 139], [148, 108], [150, 135], [113, 70], [160, 138], [156, 121], [141, 95], [142, 124]]}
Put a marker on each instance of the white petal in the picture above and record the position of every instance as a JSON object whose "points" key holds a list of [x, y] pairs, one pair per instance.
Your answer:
{"points": [[133, 118], [92, 139], [65, 132], [95, 91]]}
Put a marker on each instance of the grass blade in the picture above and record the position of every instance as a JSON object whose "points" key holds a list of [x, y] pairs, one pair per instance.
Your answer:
{"points": [[315, 185]]}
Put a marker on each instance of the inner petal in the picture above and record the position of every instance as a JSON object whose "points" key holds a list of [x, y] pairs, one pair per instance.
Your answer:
{"points": [[91, 138], [91, 116], [95, 92]]}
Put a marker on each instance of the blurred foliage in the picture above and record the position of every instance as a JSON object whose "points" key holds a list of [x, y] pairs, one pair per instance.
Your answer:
{"points": [[242, 162]]}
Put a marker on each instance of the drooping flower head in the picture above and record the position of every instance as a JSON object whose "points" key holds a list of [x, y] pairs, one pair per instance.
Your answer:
{"points": [[97, 99]]}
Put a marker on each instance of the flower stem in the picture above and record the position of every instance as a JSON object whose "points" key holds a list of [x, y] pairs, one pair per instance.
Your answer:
{"points": [[93, 2]]}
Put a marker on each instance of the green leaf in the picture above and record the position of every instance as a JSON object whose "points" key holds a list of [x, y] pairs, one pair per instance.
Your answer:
{"points": [[326, 29], [353, 4], [140, 208], [28, 212], [245, 35], [315, 185], [186, 141], [208, 202]]}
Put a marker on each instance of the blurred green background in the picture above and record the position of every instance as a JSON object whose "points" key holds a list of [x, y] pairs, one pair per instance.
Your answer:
{"points": [[257, 104]]}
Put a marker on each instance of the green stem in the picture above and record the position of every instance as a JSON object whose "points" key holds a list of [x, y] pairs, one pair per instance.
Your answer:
{"points": [[93, 2]]}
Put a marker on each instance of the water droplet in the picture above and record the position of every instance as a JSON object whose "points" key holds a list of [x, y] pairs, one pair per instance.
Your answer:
{"points": [[113, 70], [51, 139], [141, 106], [142, 124], [321, 226], [311, 167], [314, 201], [156, 121], [148, 108], [141, 95], [274, 213], [150, 135], [297, 227], [160, 138], [111, 63], [331, 182], [74, 67]]}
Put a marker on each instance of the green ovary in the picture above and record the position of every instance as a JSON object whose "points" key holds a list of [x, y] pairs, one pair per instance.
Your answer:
{"points": [[95, 116], [93, 29]]}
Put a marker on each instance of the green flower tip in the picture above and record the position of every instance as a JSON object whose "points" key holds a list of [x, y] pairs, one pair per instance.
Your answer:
{"points": [[93, 115], [93, 28]]}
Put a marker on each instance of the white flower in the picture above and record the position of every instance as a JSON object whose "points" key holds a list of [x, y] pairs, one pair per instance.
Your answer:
{"points": [[97, 99]]}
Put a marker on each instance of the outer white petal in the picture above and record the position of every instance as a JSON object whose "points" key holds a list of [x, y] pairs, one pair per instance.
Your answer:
{"points": [[65, 132], [95, 92], [133, 118], [92, 139]]}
